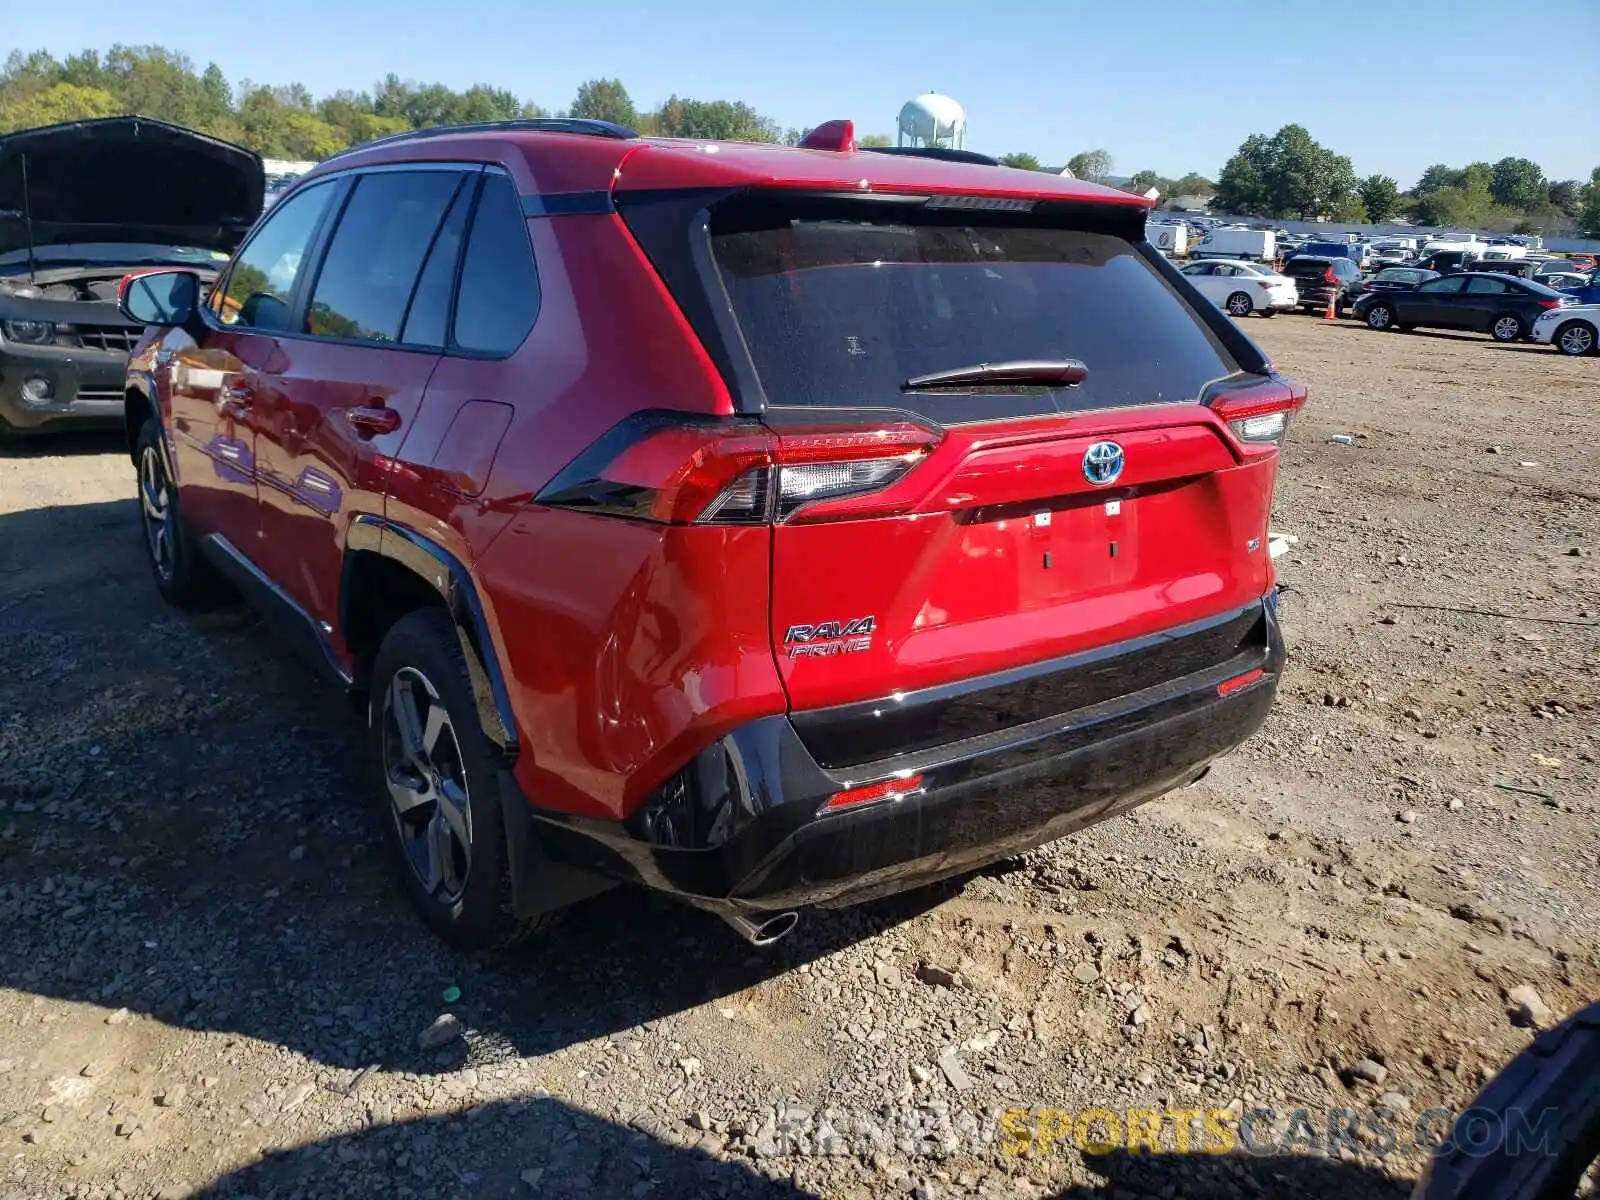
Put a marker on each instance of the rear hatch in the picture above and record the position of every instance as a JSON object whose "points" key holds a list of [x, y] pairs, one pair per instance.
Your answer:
{"points": [[994, 444], [1311, 277]]}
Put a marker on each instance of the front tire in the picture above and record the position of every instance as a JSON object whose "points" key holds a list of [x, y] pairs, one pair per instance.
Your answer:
{"points": [[1380, 317], [1238, 305], [437, 777], [182, 575], [1575, 338], [1507, 327]]}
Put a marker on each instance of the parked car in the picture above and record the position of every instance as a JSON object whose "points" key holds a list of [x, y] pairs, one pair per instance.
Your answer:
{"points": [[1316, 277], [1258, 245], [1568, 282], [1500, 266], [1587, 292], [1356, 252], [1572, 329], [1240, 288], [1560, 266], [85, 219], [1171, 238], [1503, 306], [638, 617], [1397, 279], [1445, 261]]}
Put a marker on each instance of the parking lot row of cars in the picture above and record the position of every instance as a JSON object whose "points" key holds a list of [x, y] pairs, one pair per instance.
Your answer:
{"points": [[1532, 296]]}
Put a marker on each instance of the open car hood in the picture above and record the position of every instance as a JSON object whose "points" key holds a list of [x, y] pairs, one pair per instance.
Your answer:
{"points": [[127, 179]]}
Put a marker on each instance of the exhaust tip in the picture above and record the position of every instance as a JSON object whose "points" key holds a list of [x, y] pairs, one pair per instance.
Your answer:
{"points": [[765, 931]]}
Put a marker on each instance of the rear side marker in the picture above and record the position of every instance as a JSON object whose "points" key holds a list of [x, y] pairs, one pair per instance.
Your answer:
{"points": [[889, 789], [1239, 682]]}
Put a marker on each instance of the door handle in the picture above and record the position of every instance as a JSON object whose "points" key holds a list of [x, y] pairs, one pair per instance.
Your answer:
{"points": [[369, 420]]}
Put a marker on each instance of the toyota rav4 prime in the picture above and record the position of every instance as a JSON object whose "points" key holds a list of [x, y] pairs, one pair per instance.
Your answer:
{"points": [[772, 527]]}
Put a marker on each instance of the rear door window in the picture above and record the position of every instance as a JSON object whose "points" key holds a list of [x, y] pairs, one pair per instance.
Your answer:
{"points": [[370, 272], [841, 311], [498, 297], [1483, 285]]}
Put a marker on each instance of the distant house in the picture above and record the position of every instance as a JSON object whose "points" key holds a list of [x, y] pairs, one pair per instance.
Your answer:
{"points": [[1193, 204]]}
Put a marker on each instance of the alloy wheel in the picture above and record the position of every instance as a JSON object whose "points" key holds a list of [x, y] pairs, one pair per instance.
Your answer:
{"points": [[155, 502], [1577, 339], [1239, 305], [1506, 329], [427, 780], [1378, 317]]}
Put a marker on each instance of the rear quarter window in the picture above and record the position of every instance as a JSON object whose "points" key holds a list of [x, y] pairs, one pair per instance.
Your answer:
{"points": [[840, 312]]}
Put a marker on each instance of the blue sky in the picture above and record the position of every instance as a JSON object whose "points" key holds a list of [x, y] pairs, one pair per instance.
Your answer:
{"points": [[1169, 86]]}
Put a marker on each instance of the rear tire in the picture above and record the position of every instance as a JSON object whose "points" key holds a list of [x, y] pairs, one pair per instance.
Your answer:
{"points": [[1508, 327], [1576, 338], [182, 575], [436, 776], [1238, 305], [1269, 312]]}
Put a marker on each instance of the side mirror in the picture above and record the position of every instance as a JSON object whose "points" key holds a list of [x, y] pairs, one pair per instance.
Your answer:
{"points": [[159, 297]]}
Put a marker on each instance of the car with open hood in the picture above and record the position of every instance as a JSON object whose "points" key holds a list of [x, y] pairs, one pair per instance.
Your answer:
{"points": [[83, 204]]}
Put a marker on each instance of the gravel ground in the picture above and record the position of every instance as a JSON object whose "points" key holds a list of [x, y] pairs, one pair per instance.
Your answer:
{"points": [[210, 986]]}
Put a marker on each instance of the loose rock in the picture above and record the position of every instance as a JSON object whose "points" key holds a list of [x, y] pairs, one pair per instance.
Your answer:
{"points": [[1366, 1070], [445, 1029], [1528, 1009], [954, 1073]]}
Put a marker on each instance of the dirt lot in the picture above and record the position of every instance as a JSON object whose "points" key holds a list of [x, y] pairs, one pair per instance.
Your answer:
{"points": [[209, 984]]}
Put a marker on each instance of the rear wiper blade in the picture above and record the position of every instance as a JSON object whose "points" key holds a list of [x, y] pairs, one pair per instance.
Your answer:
{"points": [[1059, 372]]}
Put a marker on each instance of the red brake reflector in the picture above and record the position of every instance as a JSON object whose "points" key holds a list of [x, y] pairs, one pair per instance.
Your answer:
{"points": [[1239, 682], [831, 135], [889, 788]]}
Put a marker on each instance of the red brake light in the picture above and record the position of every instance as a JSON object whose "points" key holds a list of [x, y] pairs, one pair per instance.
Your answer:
{"points": [[1550, 302], [1329, 277], [678, 470], [1259, 414]]}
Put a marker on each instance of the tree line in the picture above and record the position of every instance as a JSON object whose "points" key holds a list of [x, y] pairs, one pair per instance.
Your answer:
{"points": [[286, 121], [1290, 174], [1287, 174]]}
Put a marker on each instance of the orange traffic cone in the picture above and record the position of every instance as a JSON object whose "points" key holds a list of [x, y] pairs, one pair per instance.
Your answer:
{"points": [[1330, 313]]}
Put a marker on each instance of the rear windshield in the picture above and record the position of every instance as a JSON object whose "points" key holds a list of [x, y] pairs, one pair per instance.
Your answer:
{"points": [[841, 312]]}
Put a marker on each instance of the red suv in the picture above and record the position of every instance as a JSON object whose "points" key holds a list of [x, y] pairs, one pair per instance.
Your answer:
{"points": [[773, 527]]}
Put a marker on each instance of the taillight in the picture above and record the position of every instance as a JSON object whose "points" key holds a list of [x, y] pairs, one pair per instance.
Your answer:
{"points": [[1551, 302], [680, 470], [1328, 276], [1259, 414]]}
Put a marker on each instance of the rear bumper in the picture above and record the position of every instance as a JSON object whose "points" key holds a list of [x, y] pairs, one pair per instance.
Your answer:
{"points": [[981, 799], [85, 387]]}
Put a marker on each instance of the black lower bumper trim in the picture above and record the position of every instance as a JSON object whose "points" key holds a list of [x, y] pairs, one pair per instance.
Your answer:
{"points": [[982, 799]]}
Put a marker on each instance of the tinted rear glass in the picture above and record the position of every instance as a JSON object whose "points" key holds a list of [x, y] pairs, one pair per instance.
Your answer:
{"points": [[841, 312]]}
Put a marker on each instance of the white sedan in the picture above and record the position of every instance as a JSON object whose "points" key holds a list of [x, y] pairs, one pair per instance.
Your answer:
{"points": [[1240, 288], [1572, 329]]}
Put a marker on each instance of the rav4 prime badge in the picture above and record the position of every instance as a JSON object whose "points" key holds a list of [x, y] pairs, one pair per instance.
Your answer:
{"points": [[830, 637]]}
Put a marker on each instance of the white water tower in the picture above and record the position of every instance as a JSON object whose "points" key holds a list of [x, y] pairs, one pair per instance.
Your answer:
{"points": [[933, 120]]}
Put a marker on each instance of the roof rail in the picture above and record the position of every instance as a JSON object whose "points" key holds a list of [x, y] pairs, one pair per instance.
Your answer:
{"points": [[582, 125], [945, 153]]}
